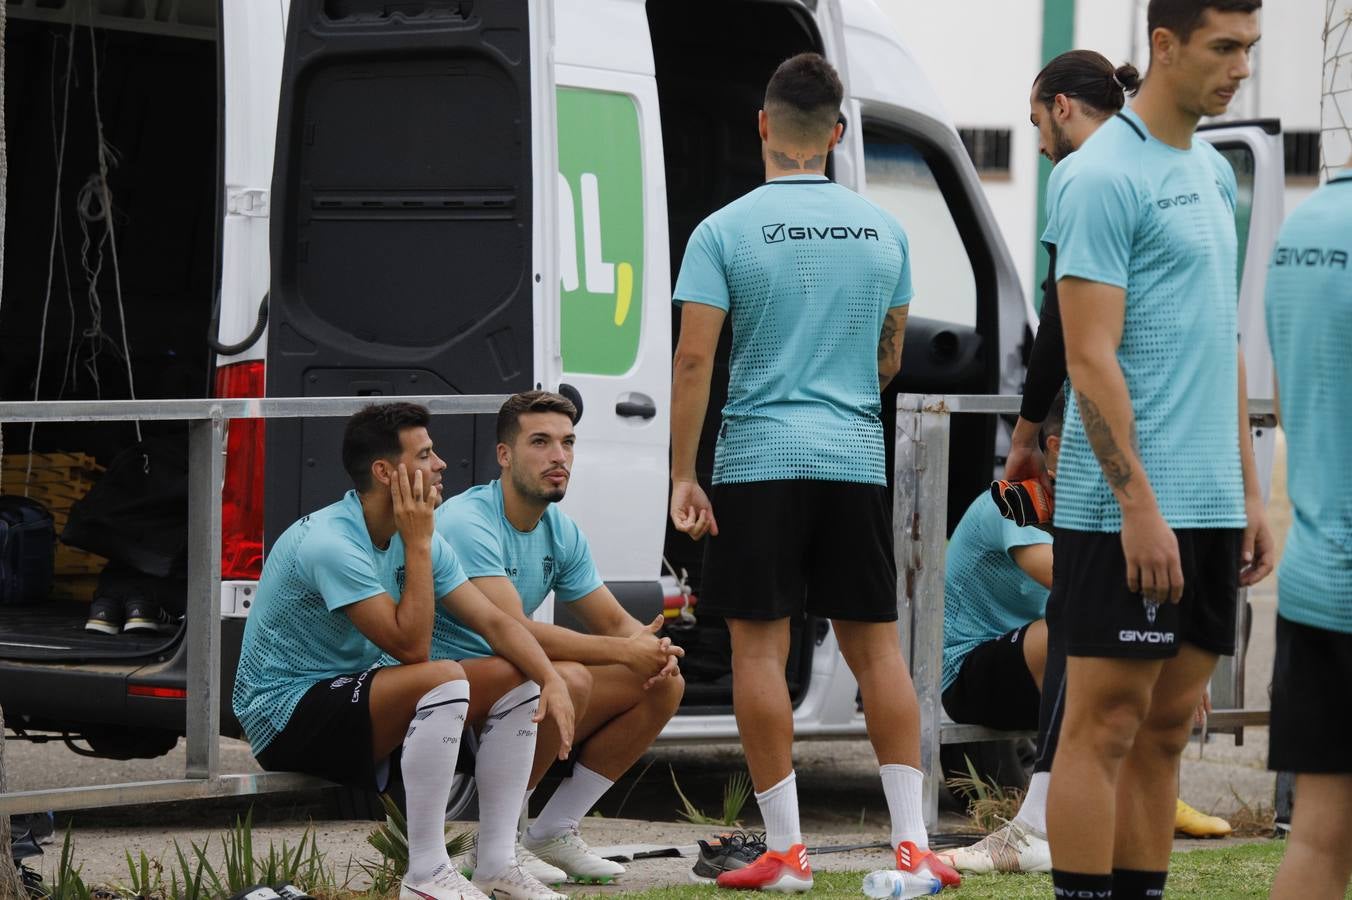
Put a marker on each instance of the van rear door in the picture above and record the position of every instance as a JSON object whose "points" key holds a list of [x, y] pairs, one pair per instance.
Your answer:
{"points": [[404, 224]]}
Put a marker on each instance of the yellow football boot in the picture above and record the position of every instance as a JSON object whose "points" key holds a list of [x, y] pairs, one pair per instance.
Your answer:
{"points": [[1195, 824]]}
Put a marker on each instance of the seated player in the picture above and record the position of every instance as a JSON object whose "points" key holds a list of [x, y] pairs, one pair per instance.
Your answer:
{"points": [[517, 547], [360, 578]]}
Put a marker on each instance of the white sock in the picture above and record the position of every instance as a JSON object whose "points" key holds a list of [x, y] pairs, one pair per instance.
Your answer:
{"points": [[573, 799], [524, 822], [430, 748], [905, 790], [501, 770], [779, 809], [1033, 812]]}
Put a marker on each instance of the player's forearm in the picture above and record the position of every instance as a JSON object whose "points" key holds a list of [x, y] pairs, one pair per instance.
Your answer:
{"points": [[589, 649], [416, 607], [689, 402], [1109, 424], [514, 642], [1252, 489]]}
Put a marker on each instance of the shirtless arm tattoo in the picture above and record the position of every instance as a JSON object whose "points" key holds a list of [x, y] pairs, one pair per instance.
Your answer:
{"points": [[1112, 459]]}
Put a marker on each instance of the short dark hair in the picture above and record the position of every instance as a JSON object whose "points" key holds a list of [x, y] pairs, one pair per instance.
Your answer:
{"points": [[372, 433], [1183, 17], [1088, 77], [804, 96], [1055, 420], [509, 416]]}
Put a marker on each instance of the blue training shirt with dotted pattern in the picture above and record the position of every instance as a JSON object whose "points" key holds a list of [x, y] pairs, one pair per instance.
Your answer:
{"points": [[298, 633], [1130, 211], [552, 556], [1309, 322], [807, 270], [986, 594]]}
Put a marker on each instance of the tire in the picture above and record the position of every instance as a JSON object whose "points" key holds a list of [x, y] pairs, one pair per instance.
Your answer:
{"points": [[1005, 763], [363, 804]]}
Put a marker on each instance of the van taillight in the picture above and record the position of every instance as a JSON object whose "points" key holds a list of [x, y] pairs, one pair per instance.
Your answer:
{"points": [[242, 495]]}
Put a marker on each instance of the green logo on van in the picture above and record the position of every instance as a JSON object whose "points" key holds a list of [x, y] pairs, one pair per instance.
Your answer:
{"points": [[600, 231]]}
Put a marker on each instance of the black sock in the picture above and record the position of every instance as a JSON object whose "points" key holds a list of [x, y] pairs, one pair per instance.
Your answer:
{"points": [[1079, 886], [1134, 884]]}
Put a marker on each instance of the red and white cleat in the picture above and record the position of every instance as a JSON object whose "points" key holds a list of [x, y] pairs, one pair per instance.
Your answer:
{"points": [[911, 858], [786, 872]]}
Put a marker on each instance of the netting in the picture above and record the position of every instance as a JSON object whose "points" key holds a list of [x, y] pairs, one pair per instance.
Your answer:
{"points": [[1336, 90]]}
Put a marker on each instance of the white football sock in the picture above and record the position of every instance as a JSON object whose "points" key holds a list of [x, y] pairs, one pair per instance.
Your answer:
{"points": [[779, 809], [524, 821], [428, 762], [905, 789], [501, 770], [573, 799], [1033, 812]]}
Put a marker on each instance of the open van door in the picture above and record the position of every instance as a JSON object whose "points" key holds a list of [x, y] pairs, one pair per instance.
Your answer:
{"points": [[1254, 150], [405, 223]]}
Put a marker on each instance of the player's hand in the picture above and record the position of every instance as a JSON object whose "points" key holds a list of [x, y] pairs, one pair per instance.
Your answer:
{"points": [[1025, 459], [554, 703], [1258, 550], [1154, 567], [1203, 709], [651, 657], [415, 505], [691, 511]]}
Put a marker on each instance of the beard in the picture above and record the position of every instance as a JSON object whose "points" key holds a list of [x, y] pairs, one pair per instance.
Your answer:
{"points": [[538, 491], [1061, 145]]}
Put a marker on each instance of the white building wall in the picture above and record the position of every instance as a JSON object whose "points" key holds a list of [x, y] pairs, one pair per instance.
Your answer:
{"points": [[982, 56]]}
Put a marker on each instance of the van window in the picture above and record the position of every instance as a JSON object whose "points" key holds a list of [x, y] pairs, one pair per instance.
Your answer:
{"points": [[1240, 158], [600, 231], [898, 179]]}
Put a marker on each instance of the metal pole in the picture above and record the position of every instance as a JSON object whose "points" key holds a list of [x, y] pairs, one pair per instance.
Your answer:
{"points": [[206, 467]]}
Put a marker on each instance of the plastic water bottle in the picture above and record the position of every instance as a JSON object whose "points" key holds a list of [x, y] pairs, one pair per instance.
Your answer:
{"points": [[898, 885]]}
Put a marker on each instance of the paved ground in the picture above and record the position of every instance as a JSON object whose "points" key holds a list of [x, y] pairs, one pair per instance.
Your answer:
{"points": [[838, 783]]}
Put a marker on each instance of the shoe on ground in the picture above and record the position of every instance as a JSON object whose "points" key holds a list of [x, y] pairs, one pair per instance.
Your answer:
{"points": [[1012, 848], [148, 617], [786, 872], [1199, 825], [528, 860], [447, 884], [515, 883], [727, 852], [105, 616], [567, 851], [911, 858]]}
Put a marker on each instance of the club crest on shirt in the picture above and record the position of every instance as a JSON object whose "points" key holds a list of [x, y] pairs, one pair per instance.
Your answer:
{"points": [[548, 564]]}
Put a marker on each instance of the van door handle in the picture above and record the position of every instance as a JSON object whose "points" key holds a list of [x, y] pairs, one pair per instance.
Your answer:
{"points": [[636, 407]]}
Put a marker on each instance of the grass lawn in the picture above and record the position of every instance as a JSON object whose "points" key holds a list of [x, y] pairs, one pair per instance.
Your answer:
{"points": [[1244, 871]]}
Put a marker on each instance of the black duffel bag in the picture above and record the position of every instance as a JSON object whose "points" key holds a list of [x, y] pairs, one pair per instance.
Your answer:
{"points": [[27, 548]]}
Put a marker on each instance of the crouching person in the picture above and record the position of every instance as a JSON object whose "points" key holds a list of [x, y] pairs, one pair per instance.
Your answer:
{"points": [[359, 579], [517, 547]]}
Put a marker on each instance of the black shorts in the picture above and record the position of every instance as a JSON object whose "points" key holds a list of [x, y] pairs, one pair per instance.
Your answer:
{"points": [[329, 734], [1103, 618], [994, 687], [788, 546], [1311, 707]]}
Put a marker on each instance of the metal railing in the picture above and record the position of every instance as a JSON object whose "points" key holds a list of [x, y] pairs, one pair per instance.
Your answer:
{"points": [[920, 534], [206, 442]]}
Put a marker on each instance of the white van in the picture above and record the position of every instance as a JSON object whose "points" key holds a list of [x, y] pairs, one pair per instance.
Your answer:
{"points": [[410, 197]]}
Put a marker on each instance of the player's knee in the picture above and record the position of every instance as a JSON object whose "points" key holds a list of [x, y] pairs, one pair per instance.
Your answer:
{"points": [[666, 694], [1109, 729], [578, 678], [441, 671]]}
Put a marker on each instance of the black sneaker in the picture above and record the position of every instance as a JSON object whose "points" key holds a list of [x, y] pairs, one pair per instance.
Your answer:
{"points": [[735, 850], [148, 616], [105, 615]]}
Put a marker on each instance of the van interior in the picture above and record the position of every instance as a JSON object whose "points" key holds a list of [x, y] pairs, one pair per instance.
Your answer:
{"points": [[109, 279]]}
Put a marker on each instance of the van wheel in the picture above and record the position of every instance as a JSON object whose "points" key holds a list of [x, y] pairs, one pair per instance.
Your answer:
{"points": [[362, 804]]}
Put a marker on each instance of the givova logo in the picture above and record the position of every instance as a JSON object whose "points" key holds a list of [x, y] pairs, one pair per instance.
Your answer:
{"points": [[779, 232], [1180, 200], [1310, 256]]}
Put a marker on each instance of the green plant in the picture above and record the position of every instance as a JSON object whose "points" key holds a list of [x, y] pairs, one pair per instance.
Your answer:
{"points": [[145, 878], [66, 881], [735, 794], [193, 887], [989, 805], [391, 839]]}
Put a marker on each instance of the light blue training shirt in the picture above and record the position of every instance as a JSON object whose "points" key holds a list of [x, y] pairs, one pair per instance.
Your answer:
{"points": [[807, 271], [1130, 211], [1309, 321], [297, 633], [553, 556], [986, 594]]}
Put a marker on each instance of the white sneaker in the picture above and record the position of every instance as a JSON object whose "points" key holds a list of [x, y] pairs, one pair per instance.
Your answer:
{"points": [[529, 861], [515, 883], [448, 884], [570, 853], [1013, 848]]}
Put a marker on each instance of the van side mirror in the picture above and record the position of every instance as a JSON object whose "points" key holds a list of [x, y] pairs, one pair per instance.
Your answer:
{"points": [[572, 393]]}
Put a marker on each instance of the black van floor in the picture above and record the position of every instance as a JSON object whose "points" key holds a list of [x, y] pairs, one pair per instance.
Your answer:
{"points": [[54, 632]]}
